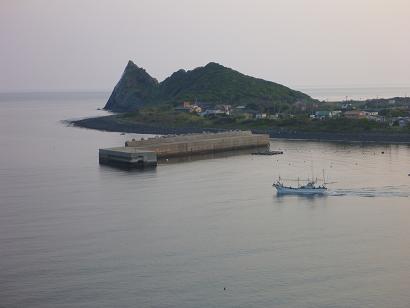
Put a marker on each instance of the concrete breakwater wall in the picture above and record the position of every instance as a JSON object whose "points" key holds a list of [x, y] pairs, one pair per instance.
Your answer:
{"points": [[189, 144], [142, 153], [127, 156]]}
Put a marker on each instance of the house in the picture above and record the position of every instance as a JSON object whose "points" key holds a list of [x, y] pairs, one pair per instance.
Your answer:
{"points": [[323, 114], [403, 122], [226, 108], [347, 106], [336, 113], [189, 107], [373, 116], [376, 118], [355, 114], [273, 116], [212, 112], [400, 121], [260, 116], [196, 109]]}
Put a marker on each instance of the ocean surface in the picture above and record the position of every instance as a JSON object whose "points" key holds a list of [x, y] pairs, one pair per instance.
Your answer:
{"points": [[356, 93], [200, 233]]}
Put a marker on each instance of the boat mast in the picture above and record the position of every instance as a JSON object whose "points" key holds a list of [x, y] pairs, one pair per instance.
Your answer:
{"points": [[313, 177]]}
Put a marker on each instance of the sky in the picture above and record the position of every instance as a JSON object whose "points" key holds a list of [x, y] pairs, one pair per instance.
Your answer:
{"points": [[74, 45]]}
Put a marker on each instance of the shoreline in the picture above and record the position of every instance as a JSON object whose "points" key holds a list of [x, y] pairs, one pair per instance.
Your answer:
{"points": [[106, 123]]}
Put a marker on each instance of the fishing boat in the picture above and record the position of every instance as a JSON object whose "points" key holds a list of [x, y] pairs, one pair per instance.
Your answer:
{"points": [[310, 188]]}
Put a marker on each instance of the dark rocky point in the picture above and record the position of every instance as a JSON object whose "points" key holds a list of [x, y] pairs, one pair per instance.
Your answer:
{"points": [[135, 88]]}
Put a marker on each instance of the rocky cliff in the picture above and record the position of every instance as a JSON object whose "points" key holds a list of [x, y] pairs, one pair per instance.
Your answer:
{"points": [[212, 83], [134, 89]]}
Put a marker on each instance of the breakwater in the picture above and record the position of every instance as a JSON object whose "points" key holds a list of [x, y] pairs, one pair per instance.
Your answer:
{"points": [[189, 144], [141, 152]]}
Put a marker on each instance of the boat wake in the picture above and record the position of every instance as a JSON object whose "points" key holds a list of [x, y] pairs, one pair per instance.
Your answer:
{"points": [[372, 192]]}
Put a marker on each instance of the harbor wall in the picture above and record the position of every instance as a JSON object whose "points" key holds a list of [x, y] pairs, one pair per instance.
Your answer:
{"points": [[201, 143], [128, 157]]}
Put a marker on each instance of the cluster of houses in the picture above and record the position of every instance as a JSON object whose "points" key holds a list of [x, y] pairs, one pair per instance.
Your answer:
{"points": [[208, 110], [361, 114], [350, 114]]}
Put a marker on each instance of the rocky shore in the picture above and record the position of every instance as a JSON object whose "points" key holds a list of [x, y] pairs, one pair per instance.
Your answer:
{"points": [[112, 124]]}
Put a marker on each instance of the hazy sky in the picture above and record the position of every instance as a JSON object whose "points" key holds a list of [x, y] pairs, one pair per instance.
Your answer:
{"points": [[85, 44]]}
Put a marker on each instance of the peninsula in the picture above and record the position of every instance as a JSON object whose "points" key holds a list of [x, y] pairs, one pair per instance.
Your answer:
{"points": [[217, 98]]}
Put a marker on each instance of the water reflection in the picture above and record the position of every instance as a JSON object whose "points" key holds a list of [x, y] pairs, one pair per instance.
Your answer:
{"points": [[128, 168]]}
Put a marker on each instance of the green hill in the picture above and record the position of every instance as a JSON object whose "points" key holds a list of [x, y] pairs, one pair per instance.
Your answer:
{"points": [[212, 83]]}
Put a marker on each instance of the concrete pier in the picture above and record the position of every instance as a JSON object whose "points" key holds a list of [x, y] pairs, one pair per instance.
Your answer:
{"points": [[142, 152], [128, 157], [182, 145]]}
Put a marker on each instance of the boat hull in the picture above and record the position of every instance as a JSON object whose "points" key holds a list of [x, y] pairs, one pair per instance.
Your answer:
{"points": [[300, 191]]}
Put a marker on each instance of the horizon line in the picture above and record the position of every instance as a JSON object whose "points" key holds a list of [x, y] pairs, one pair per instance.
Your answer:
{"points": [[298, 87]]}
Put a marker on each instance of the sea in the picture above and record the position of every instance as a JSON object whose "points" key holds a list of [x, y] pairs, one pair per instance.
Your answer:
{"points": [[196, 233], [332, 94]]}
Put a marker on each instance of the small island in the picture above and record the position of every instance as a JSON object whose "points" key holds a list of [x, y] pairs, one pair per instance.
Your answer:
{"points": [[217, 98]]}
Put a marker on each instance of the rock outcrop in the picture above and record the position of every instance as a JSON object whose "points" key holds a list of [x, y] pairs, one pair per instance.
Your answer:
{"points": [[212, 83], [134, 89]]}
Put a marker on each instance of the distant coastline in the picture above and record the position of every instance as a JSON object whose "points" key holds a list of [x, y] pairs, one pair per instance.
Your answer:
{"points": [[111, 124], [334, 94], [322, 93]]}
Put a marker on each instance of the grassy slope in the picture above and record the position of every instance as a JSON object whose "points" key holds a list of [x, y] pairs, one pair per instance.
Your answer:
{"points": [[212, 83], [215, 83]]}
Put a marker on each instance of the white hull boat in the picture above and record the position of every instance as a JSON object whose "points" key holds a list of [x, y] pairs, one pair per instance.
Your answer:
{"points": [[300, 191], [308, 189]]}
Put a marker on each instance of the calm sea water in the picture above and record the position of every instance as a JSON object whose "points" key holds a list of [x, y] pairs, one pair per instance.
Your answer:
{"points": [[76, 234], [340, 94]]}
